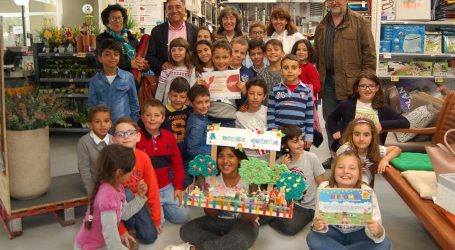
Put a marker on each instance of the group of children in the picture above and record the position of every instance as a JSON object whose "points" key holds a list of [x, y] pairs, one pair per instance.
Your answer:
{"points": [[135, 177]]}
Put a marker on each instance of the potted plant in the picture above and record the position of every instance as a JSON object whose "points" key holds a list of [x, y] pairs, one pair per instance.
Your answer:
{"points": [[28, 117]]}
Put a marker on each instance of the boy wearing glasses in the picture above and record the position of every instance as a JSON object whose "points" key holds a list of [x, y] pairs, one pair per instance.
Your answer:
{"points": [[147, 222], [160, 145]]}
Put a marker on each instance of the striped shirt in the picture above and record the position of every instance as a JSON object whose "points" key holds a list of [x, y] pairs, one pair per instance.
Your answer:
{"points": [[166, 78], [286, 107]]}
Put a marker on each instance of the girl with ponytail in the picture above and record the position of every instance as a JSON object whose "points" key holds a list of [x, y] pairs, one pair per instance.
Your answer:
{"points": [[107, 205]]}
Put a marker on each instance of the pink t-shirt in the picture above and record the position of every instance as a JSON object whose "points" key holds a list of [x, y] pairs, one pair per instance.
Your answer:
{"points": [[107, 199]]}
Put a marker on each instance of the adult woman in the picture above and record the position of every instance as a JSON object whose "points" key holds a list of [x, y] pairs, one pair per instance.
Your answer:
{"points": [[282, 28], [230, 24], [114, 17]]}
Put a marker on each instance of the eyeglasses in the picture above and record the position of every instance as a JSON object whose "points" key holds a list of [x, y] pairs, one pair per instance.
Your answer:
{"points": [[369, 87], [116, 19], [125, 134], [257, 32]]}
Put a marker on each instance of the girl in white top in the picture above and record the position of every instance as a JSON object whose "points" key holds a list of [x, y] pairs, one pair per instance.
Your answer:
{"points": [[181, 65], [347, 173], [203, 61], [362, 138], [282, 28]]}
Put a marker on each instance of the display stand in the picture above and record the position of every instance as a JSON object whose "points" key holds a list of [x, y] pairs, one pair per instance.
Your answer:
{"points": [[65, 193]]}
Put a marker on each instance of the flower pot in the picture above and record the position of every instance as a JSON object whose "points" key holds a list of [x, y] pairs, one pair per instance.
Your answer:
{"points": [[29, 162], [61, 49]]}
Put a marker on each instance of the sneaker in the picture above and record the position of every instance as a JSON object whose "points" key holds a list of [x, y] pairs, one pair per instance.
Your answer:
{"points": [[184, 246], [327, 164]]}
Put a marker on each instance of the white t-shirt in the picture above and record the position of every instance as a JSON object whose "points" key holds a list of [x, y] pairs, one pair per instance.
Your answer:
{"points": [[110, 79], [366, 173], [256, 120], [365, 110], [309, 166]]}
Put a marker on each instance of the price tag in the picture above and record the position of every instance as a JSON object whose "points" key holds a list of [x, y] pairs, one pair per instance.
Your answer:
{"points": [[439, 79], [81, 54], [387, 55], [394, 78], [363, 4]]}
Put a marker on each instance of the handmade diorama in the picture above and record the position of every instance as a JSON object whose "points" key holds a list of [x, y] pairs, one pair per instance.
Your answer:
{"points": [[281, 187], [340, 206]]}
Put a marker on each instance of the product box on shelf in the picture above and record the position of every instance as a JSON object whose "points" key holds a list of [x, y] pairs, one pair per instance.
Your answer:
{"points": [[408, 38], [433, 42], [449, 44], [388, 10], [413, 10], [412, 68], [443, 69], [446, 192], [387, 32], [385, 46]]}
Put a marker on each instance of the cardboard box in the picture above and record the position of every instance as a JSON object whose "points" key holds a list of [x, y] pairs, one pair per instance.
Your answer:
{"points": [[388, 10], [413, 10], [408, 38], [446, 192]]}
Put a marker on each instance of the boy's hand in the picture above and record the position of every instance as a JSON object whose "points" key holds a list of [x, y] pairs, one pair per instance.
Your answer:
{"points": [[319, 224], [336, 135], [307, 144], [375, 228], [243, 107], [159, 229], [126, 238], [286, 159], [166, 65], [242, 86], [142, 188], [178, 194]]}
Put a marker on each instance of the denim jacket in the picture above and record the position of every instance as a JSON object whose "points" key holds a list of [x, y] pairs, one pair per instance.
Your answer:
{"points": [[120, 97], [196, 135]]}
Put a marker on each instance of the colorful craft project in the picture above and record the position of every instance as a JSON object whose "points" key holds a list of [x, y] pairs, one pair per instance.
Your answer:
{"points": [[294, 185], [276, 171], [203, 165], [254, 171]]}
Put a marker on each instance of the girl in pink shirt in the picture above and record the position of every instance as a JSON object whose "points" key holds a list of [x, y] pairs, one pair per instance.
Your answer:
{"points": [[108, 204]]}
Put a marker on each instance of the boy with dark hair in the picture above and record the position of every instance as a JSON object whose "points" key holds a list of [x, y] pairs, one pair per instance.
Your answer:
{"points": [[272, 73], [112, 86], [291, 101], [196, 128], [256, 55]]}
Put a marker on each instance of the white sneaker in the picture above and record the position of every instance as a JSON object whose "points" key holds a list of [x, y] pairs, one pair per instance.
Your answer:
{"points": [[183, 246]]}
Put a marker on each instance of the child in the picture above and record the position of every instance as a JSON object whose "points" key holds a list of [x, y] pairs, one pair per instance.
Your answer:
{"points": [[223, 111], [239, 52], [306, 164], [161, 147], [203, 61], [257, 31], [180, 60], [255, 116], [222, 229], [291, 101], [362, 138], [196, 128], [107, 203], [310, 75], [205, 34], [272, 73], [347, 173], [256, 55], [176, 113], [368, 101], [90, 145], [112, 86], [146, 222]]}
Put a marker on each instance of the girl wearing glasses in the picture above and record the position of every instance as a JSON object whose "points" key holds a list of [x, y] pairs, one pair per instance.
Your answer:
{"points": [[115, 17], [367, 101], [146, 224]]}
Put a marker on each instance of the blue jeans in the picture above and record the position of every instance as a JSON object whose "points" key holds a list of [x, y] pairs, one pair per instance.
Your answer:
{"points": [[145, 230], [329, 103], [336, 240], [170, 209]]}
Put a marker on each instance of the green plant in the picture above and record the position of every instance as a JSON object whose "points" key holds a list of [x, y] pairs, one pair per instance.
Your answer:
{"points": [[36, 110]]}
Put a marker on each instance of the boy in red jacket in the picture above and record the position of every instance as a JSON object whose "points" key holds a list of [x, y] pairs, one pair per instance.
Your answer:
{"points": [[162, 148]]}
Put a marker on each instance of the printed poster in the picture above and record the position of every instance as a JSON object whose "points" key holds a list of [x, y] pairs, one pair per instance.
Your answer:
{"points": [[339, 206], [222, 84]]}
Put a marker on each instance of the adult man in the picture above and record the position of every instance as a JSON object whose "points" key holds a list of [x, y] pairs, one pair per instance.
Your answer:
{"points": [[344, 47], [164, 33]]}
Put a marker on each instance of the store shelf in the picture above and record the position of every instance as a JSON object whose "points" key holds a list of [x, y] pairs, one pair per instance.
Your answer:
{"points": [[66, 54], [65, 80], [427, 23], [72, 95], [436, 78], [388, 55], [70, 130]]}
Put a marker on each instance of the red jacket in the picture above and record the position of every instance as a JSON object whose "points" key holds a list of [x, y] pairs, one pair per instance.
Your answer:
{"points": [[310, 76], [143, 169], [165, 154]]}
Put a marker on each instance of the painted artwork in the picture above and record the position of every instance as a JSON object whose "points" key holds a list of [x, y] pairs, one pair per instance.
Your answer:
{"points": [[340, 206]]}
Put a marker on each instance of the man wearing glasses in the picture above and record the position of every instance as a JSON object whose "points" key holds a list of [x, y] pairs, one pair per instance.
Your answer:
{"points": [[344, 47], [164, 33]]}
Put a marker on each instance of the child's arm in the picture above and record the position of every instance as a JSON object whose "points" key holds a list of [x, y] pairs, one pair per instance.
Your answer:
{"points": [[392, 152], [332, 121], [392, 119], [193, 142], [153, 194], [320, 225], [92, 97], [271, 111], [314, 79], [319, 179], [109, 230], [131, 208], [373, 228], [162, 80], [177, 166], [309, 121], [134, 101], [83, 164]]}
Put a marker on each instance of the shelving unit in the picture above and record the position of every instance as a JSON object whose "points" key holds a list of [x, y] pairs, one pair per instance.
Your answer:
{"points": [[67, 75]]}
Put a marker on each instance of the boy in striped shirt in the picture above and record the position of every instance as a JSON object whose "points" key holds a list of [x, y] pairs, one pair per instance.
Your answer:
{"points": [[291, 101]]}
